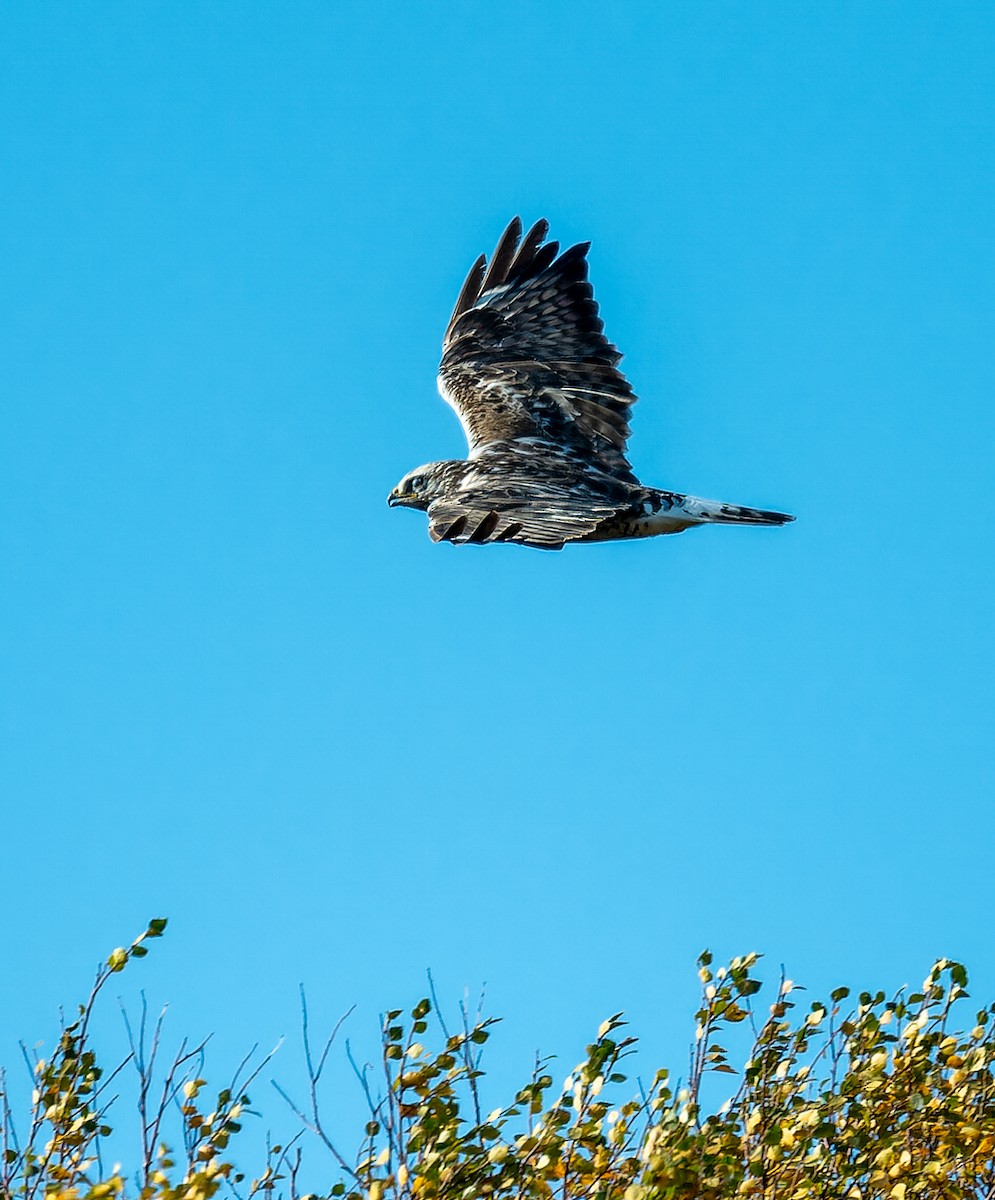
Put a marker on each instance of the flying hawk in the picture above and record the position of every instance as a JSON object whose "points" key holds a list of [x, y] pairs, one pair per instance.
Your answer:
{"points": [[545, 410]]}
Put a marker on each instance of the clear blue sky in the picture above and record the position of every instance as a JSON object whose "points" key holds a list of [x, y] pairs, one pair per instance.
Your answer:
{"points": [[240, 692]]}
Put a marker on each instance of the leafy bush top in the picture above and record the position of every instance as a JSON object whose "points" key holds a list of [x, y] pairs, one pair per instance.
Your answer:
{"points": [[869, 1097]]}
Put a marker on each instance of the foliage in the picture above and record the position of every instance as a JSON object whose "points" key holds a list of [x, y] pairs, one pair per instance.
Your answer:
{"points": [[881, 1097], [60, 1155]]}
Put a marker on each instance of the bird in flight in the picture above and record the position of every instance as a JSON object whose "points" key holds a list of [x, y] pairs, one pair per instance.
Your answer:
{"points": [[545, 409]]}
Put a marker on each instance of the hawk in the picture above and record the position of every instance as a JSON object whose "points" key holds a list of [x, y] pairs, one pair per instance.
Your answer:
{"points": [[545, 409]]}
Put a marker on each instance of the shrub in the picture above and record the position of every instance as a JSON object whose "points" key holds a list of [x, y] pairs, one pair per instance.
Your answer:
{"points": [[877, 1097]]}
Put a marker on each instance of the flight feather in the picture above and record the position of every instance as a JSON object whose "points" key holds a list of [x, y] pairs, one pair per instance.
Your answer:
{"points": [[525, 355]]}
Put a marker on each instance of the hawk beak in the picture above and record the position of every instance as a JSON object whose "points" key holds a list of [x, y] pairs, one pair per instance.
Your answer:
{"points": [[392, 500]]}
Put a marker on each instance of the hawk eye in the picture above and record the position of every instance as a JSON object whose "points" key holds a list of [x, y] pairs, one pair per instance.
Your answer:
{"points": [[417, 483]]}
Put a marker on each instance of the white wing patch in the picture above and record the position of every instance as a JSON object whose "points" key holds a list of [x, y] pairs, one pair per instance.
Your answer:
{"points": [[506, 397], [467, 433]]}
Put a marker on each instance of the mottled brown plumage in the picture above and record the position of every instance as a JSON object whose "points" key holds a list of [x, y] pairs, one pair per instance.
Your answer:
{"points": [[524, 355], [536, 386]]}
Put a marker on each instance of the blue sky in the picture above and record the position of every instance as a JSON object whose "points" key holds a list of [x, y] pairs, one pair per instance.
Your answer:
{"points": [[240, 692]]}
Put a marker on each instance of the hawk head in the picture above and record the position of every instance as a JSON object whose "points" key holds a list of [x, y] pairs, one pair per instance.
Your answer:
{"points": [[424, 484]]}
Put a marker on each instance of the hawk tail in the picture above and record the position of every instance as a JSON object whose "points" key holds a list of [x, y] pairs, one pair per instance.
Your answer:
{"points": [[713, 512]]}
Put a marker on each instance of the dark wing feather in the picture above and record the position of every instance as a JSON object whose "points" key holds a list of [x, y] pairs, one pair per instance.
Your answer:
{"points": [[545, 524], [525, 355], [528, 495]]}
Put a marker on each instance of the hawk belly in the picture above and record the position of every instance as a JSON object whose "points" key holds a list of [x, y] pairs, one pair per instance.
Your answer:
{"points": [[650, 525]]}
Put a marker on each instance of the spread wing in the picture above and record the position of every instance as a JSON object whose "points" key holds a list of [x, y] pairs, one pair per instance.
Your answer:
{"points": [[524, 355]]}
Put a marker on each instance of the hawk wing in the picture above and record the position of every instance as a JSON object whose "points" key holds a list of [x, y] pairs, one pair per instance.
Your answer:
{"points": [[517, 495], [546, 522], [524, 355]]}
